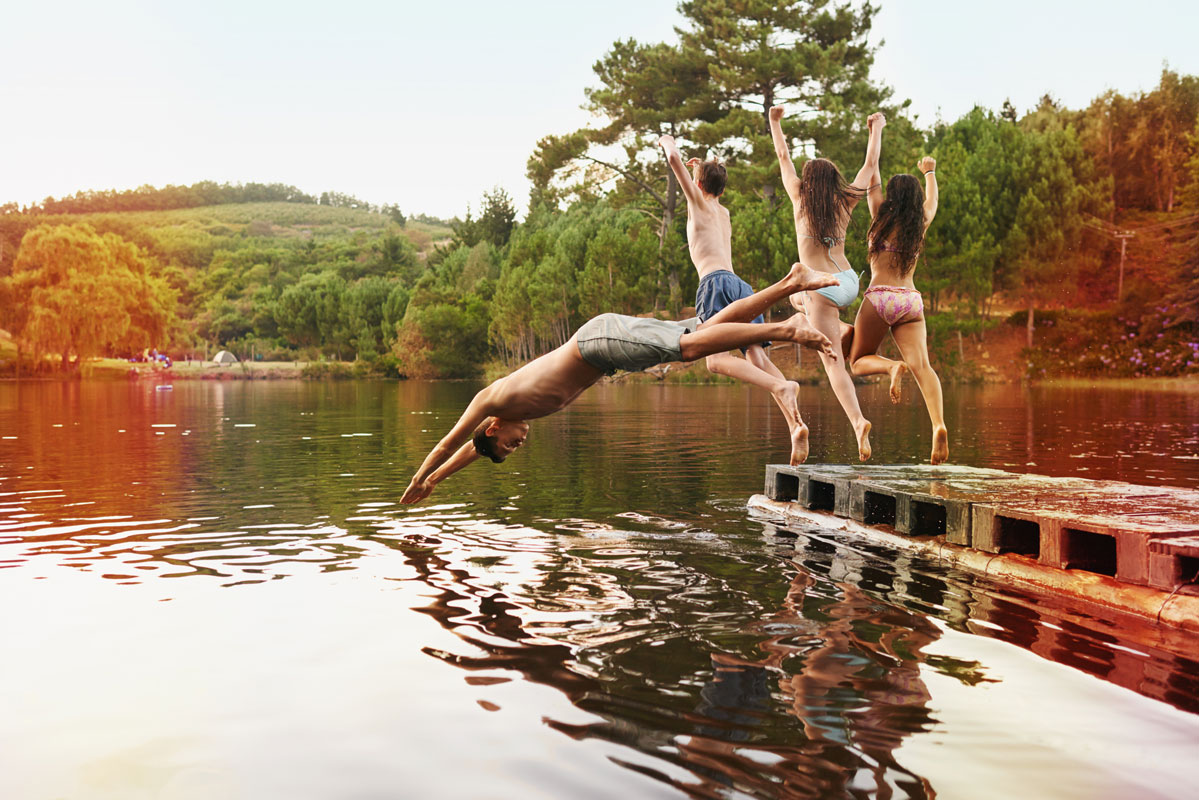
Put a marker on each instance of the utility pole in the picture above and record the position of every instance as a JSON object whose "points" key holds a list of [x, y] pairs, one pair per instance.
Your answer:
{"points": [[1123, 236]]}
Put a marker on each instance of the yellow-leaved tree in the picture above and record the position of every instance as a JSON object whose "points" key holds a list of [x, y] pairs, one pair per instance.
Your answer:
{"points": [[73, 291]]}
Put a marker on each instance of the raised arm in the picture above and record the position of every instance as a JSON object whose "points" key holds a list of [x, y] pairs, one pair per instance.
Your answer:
{"points": [[453, 452], [874, 191], [869, 173], [928, 166], [690, 190], [786, 165]]}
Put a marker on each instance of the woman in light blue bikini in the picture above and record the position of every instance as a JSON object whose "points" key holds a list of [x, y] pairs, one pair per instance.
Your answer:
{"points": [[823, 202]]}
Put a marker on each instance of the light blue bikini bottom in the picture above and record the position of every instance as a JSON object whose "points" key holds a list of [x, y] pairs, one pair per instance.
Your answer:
{"points": [[845, 292]]}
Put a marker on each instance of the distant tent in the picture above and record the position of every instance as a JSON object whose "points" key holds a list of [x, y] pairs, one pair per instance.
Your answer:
{"points": [[224, 357]]}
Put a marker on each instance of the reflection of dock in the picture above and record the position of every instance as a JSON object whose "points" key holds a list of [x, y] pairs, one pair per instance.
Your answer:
{"points": [[1117, 544]]}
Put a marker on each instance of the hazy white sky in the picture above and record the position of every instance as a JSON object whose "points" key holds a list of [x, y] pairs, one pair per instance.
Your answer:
{"points": [[429, 104]]}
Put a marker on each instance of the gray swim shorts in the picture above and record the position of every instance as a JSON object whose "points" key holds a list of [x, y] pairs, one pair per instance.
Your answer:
{"points": [[614, 341]]}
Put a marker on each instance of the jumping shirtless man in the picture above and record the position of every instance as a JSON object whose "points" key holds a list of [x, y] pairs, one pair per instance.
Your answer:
{"points": [[493, 424], [710, 239]]}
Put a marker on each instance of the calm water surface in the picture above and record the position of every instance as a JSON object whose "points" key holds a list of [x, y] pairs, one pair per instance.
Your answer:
{"points": [[212, 592]]}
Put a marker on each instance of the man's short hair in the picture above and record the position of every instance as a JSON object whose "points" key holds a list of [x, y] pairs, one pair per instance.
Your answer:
{"points": [[711, 177], [485, 445]]}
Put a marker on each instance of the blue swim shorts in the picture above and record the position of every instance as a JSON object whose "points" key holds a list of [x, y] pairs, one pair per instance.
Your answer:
{"points": [[718, 289]]}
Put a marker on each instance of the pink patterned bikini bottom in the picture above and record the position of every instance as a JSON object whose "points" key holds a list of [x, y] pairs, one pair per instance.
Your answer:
{"points": [[896, 304]]}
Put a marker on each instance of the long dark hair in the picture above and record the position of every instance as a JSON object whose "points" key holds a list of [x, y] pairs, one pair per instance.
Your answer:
{"points": [[826, 200], [900, 222]]}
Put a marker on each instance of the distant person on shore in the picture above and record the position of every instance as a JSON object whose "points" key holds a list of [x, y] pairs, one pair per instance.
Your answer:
{"points": [[892, 302], [710, 241], [822, 202], [494, 426]]}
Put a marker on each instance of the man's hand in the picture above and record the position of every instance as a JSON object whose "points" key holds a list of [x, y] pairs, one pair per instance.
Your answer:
{"points": [[776, 113], [877, 118], [417, 492], [927, 164]]}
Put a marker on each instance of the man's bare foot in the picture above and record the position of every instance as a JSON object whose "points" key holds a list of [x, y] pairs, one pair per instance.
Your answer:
{"points": [[940, 446], [801, 332], [897, 372], [799, 444], [805, 278], [863, 433]]}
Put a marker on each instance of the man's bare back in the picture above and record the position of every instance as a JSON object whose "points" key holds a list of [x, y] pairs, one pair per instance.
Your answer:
{"points": [[709, 235], [709, 231]]}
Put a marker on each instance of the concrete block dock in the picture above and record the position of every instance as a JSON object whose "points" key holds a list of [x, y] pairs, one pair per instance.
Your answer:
{"points": [[1072, 530]]}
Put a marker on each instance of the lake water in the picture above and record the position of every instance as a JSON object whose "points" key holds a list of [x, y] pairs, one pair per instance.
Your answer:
{"points": [[212, 592]]}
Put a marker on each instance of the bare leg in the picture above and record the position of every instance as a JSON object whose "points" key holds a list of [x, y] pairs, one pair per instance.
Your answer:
{"points": [[863, 356], [912, 338], [788, 403], [797, 302], [725, 336], [826, 318], [799, 279], [752, 370]]}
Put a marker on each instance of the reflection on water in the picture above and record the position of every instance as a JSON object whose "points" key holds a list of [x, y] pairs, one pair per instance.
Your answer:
{"points": [[688, 648]]}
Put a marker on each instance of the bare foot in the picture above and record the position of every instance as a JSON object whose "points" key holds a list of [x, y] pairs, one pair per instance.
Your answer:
{"points": [[804, 278], [799, 444], [788, 400], [863, 433], [802, 332], [897, 372], [940, 446]]}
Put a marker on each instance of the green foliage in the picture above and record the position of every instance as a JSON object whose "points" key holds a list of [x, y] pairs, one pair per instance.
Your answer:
{"points": [[75, 291], [494, 225], [1028, 206]]}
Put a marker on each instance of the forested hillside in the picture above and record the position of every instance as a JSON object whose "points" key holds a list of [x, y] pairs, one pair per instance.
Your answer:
{"points": [[1081, 226]]}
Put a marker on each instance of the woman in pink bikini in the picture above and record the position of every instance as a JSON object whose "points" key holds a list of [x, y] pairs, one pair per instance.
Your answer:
{"points": [[892, 303]]}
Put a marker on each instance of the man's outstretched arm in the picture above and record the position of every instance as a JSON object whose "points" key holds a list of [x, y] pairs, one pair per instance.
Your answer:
{"points": [[675, 160], [452, 453]]}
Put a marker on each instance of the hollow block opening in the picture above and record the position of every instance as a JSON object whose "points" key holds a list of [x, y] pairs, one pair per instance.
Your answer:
{"points": [[1089, 551], [786, 486], [821, 496], [1017, 536], [928, 519], [879, 509]]}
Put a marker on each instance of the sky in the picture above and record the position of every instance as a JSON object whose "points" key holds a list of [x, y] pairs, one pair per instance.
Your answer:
{"points": [[428, 105]]}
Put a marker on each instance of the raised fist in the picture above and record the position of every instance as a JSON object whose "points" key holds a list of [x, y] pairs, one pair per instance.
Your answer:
{"points": [[776, 113], [927, 164]]}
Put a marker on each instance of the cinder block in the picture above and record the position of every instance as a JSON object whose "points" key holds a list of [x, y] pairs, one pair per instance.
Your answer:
{"points": [[1069, 544], [875, 505], [821, 494], [782, 483], [1165, 571], [1173, 560], [939, 516], [1132, 556], [995, 529], [841, 487]]}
